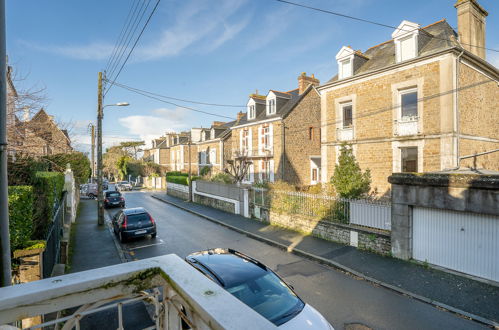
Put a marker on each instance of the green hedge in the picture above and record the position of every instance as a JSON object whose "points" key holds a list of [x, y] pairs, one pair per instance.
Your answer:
{"points": [[176, 173], [184, 180], [80, 165], [20, 216], [48, 192]]}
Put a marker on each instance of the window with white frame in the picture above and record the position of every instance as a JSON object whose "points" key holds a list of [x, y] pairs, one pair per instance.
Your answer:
{"points": [[213, 156], [271, 109], [265, 170], [409, 159], [245, 140], [347, 114], [315, 170], [249, 174], [265, 136], [409, 103], [251, 112], [405, 38], [407, 48]]}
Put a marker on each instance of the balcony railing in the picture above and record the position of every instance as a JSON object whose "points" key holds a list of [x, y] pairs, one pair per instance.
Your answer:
{"points": [[344, 134], [178, 295], [262, 152], [407, 126]]}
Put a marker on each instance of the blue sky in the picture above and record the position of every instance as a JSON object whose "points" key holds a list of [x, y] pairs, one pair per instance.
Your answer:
{"points": [[216, 51]]}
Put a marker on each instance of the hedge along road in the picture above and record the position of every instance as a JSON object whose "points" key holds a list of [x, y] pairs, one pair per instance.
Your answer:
{"points": [[341, 298]]}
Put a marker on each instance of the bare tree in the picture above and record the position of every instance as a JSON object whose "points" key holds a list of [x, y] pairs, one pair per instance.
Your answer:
{"points": [[238, 166]]}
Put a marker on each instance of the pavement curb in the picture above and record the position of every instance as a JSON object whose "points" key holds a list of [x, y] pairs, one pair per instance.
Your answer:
{"points": [[113, 236], [339, 266]]}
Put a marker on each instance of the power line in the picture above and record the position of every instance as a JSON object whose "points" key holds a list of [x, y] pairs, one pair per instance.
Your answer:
{"points": [[120, 37], [373, 22], [134, 45], [130, 34], [167, 102], [182, 100]]}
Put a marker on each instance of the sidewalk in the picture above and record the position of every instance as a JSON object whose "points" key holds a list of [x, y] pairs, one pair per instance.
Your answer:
{"points": [[93, 247], [476, 300]]}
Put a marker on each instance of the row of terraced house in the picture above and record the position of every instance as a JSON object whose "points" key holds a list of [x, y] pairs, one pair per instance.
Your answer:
{"points": [[419, 102]]}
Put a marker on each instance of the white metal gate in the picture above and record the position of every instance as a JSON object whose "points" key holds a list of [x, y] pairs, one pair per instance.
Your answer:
{"points": [[466, 242]]}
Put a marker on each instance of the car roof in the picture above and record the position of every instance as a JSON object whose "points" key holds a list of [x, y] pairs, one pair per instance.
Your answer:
{"points": [[134, 210], [228, 266], [109, 192]]}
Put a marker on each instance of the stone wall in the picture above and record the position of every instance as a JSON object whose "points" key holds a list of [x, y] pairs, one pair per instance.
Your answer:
{"points": [[215, 203], [177, 190], [300, 144], [374, 240]]}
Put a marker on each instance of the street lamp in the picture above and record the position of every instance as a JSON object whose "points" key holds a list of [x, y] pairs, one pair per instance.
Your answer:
{"points": [[100, 116]]}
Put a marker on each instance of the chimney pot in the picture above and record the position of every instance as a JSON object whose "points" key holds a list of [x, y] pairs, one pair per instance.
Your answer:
{"points": [[304, 82]]}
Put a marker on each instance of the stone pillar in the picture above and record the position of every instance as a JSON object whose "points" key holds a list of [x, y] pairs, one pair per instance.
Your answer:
{"points": [[401, 233]]}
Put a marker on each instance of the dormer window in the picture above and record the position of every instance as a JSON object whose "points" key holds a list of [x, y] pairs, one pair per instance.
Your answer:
{"points": [[271, 109], [406, 41], [345, 59], [251, 112]]}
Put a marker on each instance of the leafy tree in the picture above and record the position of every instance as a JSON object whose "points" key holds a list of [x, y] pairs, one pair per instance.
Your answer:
{"points": [[110, 160], [348, 179], [80, 164], [132, 147]]}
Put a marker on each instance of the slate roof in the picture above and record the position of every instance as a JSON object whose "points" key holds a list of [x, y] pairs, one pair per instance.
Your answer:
{"points": [[293, 96], [441, 37]]}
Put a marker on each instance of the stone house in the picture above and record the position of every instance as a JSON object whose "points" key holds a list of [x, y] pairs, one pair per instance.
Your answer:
{"points": [[159, 152], [210, 147], [419, 102], [260, 135], [40, 136]]}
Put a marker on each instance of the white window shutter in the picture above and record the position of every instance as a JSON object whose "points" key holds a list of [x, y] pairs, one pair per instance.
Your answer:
{"points": [[252, 173], [271, 162], [271, 138], [250, 141], [213, 156], [260, 147], [241, 140]]}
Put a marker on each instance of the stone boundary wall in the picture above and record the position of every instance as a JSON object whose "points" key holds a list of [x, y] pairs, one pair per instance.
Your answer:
{"points": [[363, 238], [177, 190], [215, 203]]}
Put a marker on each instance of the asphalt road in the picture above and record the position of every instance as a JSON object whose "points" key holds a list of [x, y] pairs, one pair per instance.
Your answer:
{"points": [[341, 298]]}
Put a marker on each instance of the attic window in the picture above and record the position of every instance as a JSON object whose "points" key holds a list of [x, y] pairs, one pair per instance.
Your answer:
{"points": [[345, 68], [251, 112], [406, 41], [271, 107]]}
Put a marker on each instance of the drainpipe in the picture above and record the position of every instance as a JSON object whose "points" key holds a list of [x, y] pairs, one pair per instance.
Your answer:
{"points": [[283, 148], [456, 104]]}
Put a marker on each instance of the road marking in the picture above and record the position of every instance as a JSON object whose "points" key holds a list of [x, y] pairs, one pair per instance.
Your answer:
{"points": [[144, 246]]}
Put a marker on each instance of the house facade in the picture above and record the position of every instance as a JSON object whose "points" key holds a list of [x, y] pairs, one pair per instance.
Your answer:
{"points": [[261, 134], [416, 103], [210, 147], [159, 153]]}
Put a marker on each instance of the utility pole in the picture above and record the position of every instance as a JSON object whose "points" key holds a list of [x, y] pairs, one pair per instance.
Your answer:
{"points": [[5, 266], [190, 162], [92, 135], [100, 115]]}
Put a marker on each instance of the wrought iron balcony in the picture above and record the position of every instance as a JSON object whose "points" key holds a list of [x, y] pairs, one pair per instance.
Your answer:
{"points": [[406, 126], [179, 297]]}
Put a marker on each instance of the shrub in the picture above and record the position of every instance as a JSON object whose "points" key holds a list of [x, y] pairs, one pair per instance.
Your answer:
{"points": [[222, 178], [20, 215], [348, 179], [205, 170], [48, 192], [181, 179], [80, 165], [176, 173], [21, 171]]}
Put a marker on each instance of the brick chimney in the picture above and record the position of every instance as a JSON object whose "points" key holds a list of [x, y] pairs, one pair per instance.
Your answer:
{"points": [[304, 81], [240, 115], [217, 123], [471, 26]]}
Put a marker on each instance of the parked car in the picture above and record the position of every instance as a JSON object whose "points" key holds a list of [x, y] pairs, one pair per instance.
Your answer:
{"points": [[133, 222], [258, 287], [123, 185], [105, 184], [113, 198], [89, 190]]}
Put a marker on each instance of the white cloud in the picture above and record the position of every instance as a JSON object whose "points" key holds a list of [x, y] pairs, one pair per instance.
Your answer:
{"points": [[269, 30], [91, 51], [153, 126]]}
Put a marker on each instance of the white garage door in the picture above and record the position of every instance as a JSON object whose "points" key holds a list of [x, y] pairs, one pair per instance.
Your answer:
{"points": [[466, 242]]}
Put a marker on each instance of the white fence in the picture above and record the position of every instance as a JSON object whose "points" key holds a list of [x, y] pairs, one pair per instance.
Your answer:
{"points": [[179, 295], [371, 214]]}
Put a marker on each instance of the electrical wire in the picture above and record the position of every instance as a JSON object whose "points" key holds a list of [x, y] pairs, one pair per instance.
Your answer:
{"points": [[134, 45], [182, 100], [129, 36], [372, 22]]}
